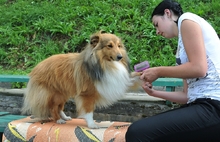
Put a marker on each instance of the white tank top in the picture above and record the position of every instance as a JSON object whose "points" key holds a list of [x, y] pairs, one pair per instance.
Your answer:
{"points": [[208, 86]]}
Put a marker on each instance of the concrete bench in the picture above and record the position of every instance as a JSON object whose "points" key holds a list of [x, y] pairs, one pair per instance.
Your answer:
{"points": [[72, 131]]}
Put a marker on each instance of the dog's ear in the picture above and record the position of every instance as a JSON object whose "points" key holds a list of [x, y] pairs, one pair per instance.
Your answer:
{"points": [[94, 40], [102, 32]]}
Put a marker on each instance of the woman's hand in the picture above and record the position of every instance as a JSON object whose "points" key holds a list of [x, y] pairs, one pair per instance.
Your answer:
{"points": [[149, 75], [147, 88]]}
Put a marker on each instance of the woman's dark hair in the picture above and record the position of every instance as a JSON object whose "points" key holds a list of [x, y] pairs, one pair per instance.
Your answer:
{"points": [[167, 4]]}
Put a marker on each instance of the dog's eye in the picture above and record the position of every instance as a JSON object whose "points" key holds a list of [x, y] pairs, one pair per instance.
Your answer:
{"points": [[119, 46], [110, 46]]}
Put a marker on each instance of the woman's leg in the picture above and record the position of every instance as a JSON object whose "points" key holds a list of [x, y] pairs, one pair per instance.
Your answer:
{"points": [[196, 122]]}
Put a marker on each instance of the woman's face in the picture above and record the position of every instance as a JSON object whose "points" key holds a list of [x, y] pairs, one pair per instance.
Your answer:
{"points": [[165, 25]]}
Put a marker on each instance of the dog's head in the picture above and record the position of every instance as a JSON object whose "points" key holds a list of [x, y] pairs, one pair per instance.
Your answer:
{"points": [[109, 47], [102, 53]]}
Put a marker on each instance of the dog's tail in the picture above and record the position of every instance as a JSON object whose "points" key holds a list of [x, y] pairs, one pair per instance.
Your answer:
{"points": [[36, 101]]}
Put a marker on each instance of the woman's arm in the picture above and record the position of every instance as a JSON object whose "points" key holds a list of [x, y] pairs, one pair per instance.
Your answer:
{"points": [[178, 97]]}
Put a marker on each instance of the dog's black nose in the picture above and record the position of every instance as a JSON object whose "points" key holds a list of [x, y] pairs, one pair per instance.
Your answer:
{"points": [[119, 57]]}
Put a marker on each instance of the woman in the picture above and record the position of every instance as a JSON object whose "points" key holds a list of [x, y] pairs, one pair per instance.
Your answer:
{"points": [[198, 59]]}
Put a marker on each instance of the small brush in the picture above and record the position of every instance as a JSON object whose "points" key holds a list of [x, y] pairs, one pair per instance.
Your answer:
{"points": [[141, 66]]}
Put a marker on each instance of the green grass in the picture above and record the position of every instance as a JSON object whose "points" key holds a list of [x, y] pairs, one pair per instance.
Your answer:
{"points": [[32, 30]]}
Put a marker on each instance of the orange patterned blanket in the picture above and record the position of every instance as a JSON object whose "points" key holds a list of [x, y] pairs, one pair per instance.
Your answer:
{"points": [[75, 130]]}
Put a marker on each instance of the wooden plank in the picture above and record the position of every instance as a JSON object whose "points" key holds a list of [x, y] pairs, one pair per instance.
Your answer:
{"points": [[14, 78], [4, 120], [168, 82]]}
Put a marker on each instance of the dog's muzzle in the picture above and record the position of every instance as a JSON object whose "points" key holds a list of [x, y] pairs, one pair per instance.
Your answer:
{"points": [[119, 57]]}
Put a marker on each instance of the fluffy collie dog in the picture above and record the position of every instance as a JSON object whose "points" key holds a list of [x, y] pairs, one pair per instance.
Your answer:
{"points": [[96, 77]]}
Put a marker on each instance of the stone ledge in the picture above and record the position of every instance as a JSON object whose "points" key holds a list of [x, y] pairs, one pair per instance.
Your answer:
{"points": [[12, 92], [138, 96], [134, 106]]}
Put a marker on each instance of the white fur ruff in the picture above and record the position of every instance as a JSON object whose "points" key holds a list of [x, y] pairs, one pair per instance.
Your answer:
{"points": [[113, 85]]}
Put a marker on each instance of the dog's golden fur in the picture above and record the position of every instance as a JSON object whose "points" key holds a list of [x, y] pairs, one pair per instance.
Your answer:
{"points": [[96, 77]]}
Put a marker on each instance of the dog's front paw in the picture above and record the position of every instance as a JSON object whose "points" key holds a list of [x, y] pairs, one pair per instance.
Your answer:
{"points": [[134, 74], [64, 117], [93, 126], [67, 118], [61, 121], [32, 117]]}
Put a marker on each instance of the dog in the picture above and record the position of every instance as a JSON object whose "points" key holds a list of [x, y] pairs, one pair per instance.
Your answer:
{"points": [[96, 77]]}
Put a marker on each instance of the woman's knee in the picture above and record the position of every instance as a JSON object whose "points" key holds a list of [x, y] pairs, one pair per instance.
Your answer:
{"points": [[137, 132], [131, 133]]}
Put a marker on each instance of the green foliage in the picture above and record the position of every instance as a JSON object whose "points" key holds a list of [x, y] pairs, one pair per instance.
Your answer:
{"points": [[32, 30], [19, 85]]}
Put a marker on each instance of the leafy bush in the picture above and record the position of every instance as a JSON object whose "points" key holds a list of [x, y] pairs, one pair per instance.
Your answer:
{"points": [[32, 30]]}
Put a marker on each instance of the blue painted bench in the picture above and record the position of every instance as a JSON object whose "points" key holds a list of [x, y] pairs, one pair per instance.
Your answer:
{"points": [[6, 117], [169, 83], [14, 78]]}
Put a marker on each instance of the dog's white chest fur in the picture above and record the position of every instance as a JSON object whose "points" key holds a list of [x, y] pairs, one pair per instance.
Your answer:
{"points": [[113, 85]]}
